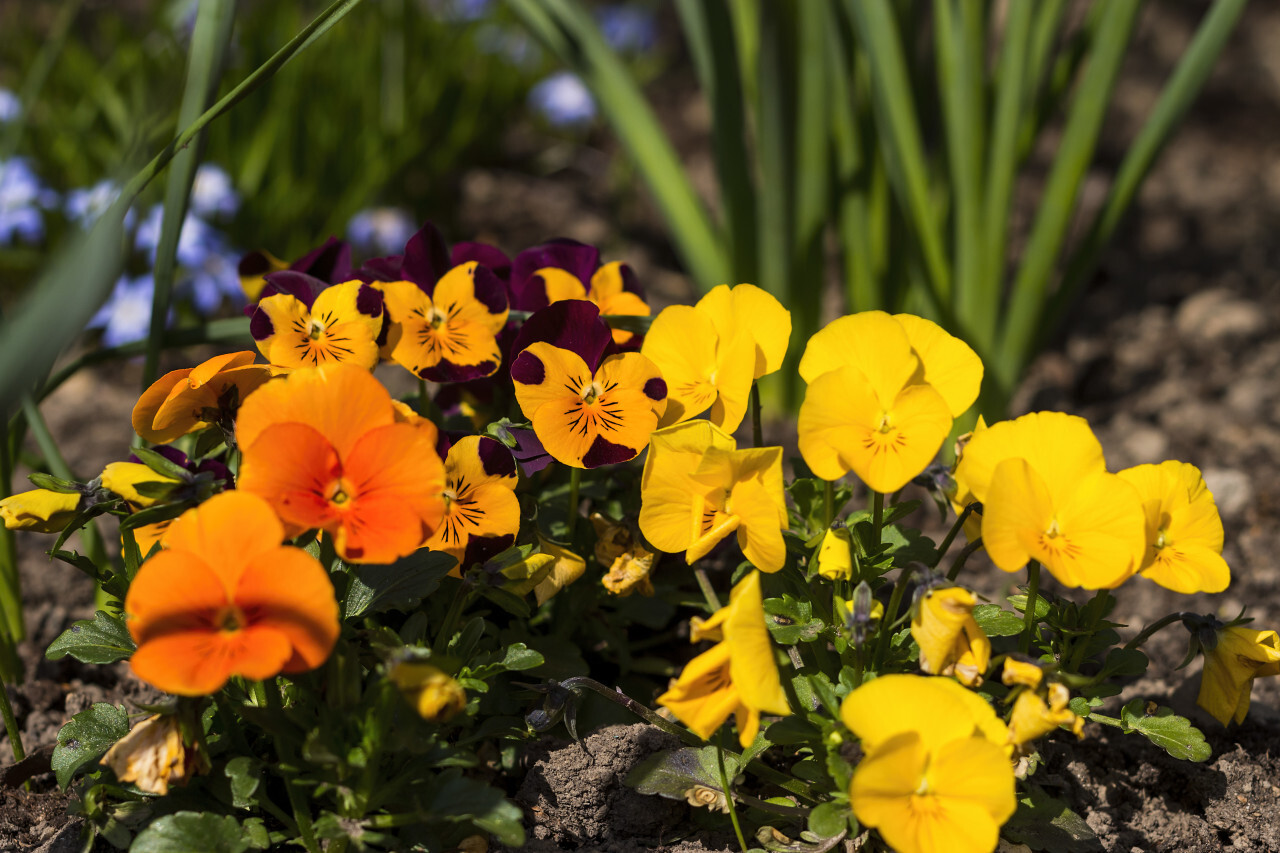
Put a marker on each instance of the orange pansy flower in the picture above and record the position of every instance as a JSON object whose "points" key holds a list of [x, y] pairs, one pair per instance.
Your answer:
{"points": [[324, 447], [183, 401], [226, 598]]}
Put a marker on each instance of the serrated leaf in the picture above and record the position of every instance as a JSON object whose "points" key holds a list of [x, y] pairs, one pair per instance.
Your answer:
{"points": [[672, 772], [1174, 734], [84, 517], [192, 832], [101, 640], [80, 561], [828, 820], [996, 622], [398, 586], [1043, 823], [86, 736]]}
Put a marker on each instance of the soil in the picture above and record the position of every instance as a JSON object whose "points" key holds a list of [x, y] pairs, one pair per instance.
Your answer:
{"points": [[1173, 353]]}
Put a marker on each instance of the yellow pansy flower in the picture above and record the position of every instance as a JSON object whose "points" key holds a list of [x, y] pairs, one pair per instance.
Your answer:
{"points": [[935, 777], [1033, 717], [1240, 655], [1184, 530], [737, 676], [323, 325], [697, 488], [882, 393], [1046, 495], [607, 291], [432, 692], [950, 640]]}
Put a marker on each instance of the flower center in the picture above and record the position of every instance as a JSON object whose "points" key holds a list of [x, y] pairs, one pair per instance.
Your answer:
{"points": [[229, 618], [1161, 540], [885, 425], [1053, 532], [591, 393], [436, 318], [315, 330], [340, 492], [449, 496]]}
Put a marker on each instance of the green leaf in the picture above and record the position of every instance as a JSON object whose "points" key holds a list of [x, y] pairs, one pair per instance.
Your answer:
{"points": [[996, 622], [791, 730], [1043, 823], [55, 484], [154, 515], [101, 640], [792, 620], [1019, 603], [162, 465], [398, 586], [86, 736], [828, 820], [245, 773], [192, 832], [1123, 663], [672, 772], [520, 657], [1174, 734]]}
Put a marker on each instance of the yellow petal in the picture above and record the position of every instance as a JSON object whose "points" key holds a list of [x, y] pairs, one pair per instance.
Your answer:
{"points": [[42, 510], [561, 284], [753, 310], [566, 569], [1060, 447], [123, 478], [752, 667], [704, 695], [873, 342], [682, 343], [946, 362], [667, 488], [939, 709]]}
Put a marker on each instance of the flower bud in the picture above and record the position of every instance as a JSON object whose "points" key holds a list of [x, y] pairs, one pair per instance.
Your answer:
{"points": [[835, 561], [435, 695]]}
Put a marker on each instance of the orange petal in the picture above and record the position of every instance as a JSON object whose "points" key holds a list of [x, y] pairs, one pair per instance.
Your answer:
{"points": [[295, 470], [197, 663], [173, 592], [226, 532], [144, 411], [288, 591]]}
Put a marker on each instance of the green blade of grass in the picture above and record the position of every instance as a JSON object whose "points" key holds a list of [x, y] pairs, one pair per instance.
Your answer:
{"points": [[1079, 138], [775, 138], [1184, 85], [204, 68], [852, 167], [568, 31]]}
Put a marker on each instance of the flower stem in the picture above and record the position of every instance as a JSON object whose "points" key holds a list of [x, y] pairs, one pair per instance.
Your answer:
{"points": [[11, 725], [1029, 616], [728, 794], [962, 558], [877, 515], [575, 477], [708, 591], [757, 429], [952, 533], [424, 399], [1082, 643], [890, 614], [298, 803], [829, 503], [1151, 629]]}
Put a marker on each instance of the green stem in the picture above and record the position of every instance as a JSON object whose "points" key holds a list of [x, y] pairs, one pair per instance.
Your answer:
{"points": [[829, 503], [757, 429], [708, 591], [575, 477], [962, 558], [877, 515], [1151, 629], [890, 614], [1029, 617], [424, 399], [450, 623], [952, 533], [11, 725], [1081, 644], [298, 803], [728, 794]]}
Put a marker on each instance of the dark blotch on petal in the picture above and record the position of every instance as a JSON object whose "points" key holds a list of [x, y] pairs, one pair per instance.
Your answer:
{"points": [[426, 258], [260, 326], [330, 262], [607, 453], [489, 290], [484, 254], [528, 369], [630, 281], [572, 324], [496, 459], [369, 300], [528, 292], [254, 263], [655, 389], [384, 330]]}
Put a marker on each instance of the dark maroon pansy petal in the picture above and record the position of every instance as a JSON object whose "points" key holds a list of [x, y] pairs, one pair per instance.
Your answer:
{"points": [[495, 458], [481, 549], [426, 258], [254, 263], [528, 291], [219, 471], [655, 389], [384, 331], [443, 371], [529, 452], [572, 324], [484, 254], [630, 281], [528, 369], [490, 291], [330, 262], [603, 452], [260, 326], [301, 285], [173, 454], [369, 301], [381, 269]]}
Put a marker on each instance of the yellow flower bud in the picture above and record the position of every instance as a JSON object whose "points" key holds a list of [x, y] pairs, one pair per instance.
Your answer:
{"points": [[1021, 672], [434, 694], [41, 510], [835, 561]]}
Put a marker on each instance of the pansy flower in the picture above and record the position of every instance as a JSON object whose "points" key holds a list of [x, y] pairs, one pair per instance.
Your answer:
{"points": [[1046, 495], [587, 408], [626, 561], [142, 487], [950, 639], [935, 773], [1184, 530], [567, 269], [329, 262], [737, 676], [308, 323], [1033, 717], [481, 512], [324, 447], [698, 488], [712, 352], [226, 598], [184, 401], [882, 393], [1237, 657], [154, 755]]}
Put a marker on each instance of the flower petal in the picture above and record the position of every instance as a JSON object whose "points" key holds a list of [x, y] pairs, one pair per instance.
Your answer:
{"points": [[288, 591], [294, 469], [873, 342], [227, 531], [682, 343], [758, 313], [946, 362]]}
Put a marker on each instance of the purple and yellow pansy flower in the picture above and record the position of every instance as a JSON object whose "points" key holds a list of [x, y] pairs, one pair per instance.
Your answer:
{"points": [[566, 269], [481, 514], [444, 320], [308, 323], [330, 262], [588, 408]]}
